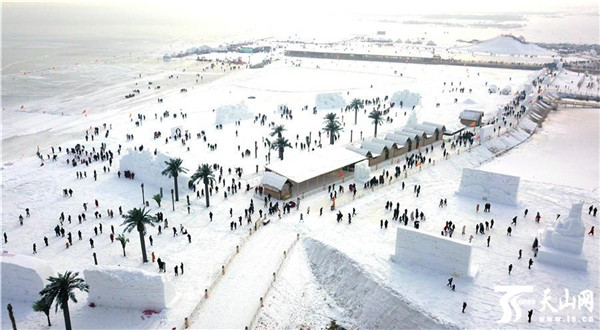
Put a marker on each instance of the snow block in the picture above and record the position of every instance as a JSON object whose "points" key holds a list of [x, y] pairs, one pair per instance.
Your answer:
{"points": [[232, 113], [436, 252], [148, 170], [23, 277], [115, 286], [489, 186], [326, 101], [408, 98], [362, 172], [562, 258]]}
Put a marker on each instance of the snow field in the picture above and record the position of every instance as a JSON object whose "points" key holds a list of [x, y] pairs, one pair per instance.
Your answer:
{"points": [[26, 184]]}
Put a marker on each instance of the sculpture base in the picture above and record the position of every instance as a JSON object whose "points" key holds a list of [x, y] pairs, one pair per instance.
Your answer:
{"points": [[562, 258]]}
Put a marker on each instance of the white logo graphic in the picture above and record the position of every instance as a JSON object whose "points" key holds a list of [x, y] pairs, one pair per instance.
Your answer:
{"points": [[510, 298]]}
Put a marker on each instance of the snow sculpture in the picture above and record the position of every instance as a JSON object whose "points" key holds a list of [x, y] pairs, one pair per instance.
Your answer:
{"points": [[362, 172], [232, 113], [176, 131], [23, 277], [441, 253], [486, 133], [489, 186], [148, 168], [412, 119], [408, 99], [325, 101], [115, 286], [562, 243]]}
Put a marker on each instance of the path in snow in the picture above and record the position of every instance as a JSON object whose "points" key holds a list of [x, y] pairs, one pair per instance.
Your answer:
{"points": [[236, 297]]}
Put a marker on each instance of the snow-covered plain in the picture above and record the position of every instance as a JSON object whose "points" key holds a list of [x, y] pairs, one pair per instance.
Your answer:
{"points": [[26, 184]]}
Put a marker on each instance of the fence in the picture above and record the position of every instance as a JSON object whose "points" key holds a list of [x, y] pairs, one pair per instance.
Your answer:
{"points": [[221, 272], [262, 299]]}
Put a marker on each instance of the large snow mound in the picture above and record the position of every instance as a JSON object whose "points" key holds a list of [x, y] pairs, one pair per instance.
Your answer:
{"points": [[507, 45], [232, 113], [23, 277], [408, 98], [326, 101], [115, 286], [148, 168], [371, 304]]}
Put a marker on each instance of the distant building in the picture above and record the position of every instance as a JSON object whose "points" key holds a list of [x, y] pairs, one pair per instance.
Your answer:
{"points": [[471, 118], [380, 33]]}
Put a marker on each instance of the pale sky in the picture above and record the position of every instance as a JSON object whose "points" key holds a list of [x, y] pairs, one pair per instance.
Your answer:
{"points": [[245, 7]]}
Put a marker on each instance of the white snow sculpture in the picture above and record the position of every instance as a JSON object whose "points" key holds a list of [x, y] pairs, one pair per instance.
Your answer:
{"points": [[23, 277], [562, 243], [489, 186], [115, 286], [408, 98], [326, 101], [232, 113], [437, 252], [412, 119], [362, 172], [148, 170], [176, 131]]}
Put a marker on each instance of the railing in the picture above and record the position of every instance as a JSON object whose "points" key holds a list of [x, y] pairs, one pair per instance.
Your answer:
{"points": [[262, 299], [218, 275]]}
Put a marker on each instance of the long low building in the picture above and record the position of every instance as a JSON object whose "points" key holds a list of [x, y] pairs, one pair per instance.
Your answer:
{"points": [[311, 170], [399, 142]]}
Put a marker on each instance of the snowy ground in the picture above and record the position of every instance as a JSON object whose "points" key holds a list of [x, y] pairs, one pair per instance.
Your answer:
{"points": [[566, 149], [26, 184]]}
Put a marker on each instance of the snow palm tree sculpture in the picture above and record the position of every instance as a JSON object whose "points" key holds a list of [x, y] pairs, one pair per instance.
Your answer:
{"points": [[43, 305], [280, 144], [277, 130], [139, 219], [332, 126], [61, 289], [356, 104], [172, 171], [377, 117], [121, 238], [205, 173]]}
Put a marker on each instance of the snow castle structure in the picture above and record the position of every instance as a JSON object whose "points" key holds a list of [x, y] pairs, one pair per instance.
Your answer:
{"points": [[562, 243]]}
